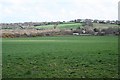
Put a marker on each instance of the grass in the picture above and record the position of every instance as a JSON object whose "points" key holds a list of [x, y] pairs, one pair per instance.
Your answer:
{"points": [[0, 58], [60, 26], [76, 25], [61, 57], [104, 26]]}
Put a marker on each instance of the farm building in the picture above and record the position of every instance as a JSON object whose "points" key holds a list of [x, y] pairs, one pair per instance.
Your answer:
{"points": [[76, 34]]}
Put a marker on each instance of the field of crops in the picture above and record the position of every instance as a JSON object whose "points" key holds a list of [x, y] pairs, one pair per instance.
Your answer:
{"points": [[61, 57], [0, 58]]}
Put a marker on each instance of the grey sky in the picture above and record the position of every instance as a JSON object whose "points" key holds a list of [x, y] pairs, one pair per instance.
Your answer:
{"points": [[57, 10]]}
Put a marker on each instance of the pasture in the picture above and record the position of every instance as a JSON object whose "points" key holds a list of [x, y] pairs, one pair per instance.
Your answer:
{"points": [[61, 26], [60, 57], [76, 25], [105, 26]]}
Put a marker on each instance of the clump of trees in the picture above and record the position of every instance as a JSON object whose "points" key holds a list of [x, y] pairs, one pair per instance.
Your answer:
{"points": [[97, 31], [87, 23]]}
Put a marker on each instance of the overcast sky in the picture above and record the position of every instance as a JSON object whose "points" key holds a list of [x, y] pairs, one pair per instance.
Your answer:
{"points": [[57, 10]]}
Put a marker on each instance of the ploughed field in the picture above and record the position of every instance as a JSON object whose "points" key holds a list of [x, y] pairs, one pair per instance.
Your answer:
{"points": [[60, 57]]}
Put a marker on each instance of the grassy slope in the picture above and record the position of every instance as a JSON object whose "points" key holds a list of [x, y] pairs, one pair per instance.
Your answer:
{"points": [[85, 56], [105, 25], [61, 26], [76, 25]]}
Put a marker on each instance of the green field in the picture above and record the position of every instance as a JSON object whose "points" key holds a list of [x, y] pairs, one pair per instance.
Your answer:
{"points": [[61, 57], [61, 26], [0, 58], [104, 26], [76, 25]]}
